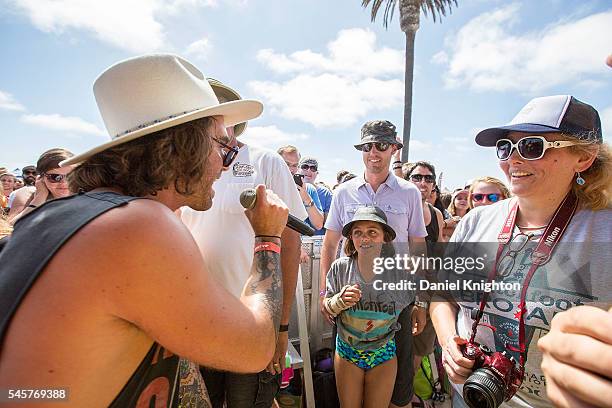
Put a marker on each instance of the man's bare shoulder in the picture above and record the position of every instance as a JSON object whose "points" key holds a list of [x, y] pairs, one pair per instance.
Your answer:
{"points": [[143, 228], [23, 194]]}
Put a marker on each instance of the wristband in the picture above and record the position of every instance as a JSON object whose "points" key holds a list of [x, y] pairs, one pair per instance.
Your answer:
{"points": [[283, 328], [322, 293], [397, 161], [267, 236], [32, 206], [397, 167], [309, 204], [422, 304], [267, 246]]}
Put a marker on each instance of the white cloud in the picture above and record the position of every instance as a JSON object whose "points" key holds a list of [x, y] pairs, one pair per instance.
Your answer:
{"points": [[329, 100], [337, 88], [68, 124], [199, 49], [270, 136], [352, 53], [130, 25], [606, 122], [486, 54], [9, 103]]}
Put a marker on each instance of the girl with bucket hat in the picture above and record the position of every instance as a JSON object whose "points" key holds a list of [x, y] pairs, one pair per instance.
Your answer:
{"points": [[553, 238], [366, 311]]}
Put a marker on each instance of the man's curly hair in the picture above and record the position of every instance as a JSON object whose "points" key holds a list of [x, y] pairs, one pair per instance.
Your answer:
{"points": [[176, 156]]}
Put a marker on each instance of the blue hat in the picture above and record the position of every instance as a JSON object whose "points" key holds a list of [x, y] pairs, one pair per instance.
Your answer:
{"points": [[549, 114]]}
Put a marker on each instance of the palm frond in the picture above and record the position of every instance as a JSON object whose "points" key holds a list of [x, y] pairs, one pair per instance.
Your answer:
{"points": [[376, 4], [437, 8]]}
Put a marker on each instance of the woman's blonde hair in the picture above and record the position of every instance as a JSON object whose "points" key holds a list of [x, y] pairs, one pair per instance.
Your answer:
{"points": [[489, 180], [596, 193], [5, 227]]}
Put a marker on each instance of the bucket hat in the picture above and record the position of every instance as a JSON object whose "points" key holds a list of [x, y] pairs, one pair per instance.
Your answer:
{"points": [[378, 131], [369, 213]]}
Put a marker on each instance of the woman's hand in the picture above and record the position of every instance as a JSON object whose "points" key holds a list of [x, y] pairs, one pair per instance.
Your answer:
{"points": [[351, 295], [418, 317], [456, 365], [577, 360]]}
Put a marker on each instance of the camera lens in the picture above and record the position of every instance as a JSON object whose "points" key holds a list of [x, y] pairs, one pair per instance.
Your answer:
{"points": [[483, 390]]}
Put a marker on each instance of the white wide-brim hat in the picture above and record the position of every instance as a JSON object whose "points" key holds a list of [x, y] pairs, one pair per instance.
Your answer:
{"points": [[143, 95]]}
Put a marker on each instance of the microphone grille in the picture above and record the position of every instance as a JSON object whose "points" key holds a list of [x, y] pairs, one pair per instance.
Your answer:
{"points": [[248, 197]]}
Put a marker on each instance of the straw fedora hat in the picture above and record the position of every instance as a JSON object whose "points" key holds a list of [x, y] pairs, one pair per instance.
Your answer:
{"points": [[225, 94], [145, 94]]}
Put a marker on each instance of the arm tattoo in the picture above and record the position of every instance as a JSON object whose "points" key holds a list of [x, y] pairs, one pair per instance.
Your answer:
{"points": [[266, 280]]}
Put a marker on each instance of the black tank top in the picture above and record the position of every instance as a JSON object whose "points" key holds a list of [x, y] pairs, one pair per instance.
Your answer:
{"points": [[35, 240], [433, 229]]}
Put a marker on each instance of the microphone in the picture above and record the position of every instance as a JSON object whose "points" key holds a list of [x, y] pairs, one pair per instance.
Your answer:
{"points": [[248, 198]]}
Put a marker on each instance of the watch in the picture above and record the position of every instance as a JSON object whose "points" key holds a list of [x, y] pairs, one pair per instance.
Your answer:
{"points": [[310, 204], [283, 328], [419, 303]]}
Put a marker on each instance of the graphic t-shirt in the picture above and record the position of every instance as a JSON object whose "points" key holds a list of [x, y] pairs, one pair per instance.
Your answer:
{"points": [[577, 273], [372, 322], [223, 233]]}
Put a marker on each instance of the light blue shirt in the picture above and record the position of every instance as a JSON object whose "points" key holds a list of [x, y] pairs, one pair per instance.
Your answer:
{"points": [[398, 198]]}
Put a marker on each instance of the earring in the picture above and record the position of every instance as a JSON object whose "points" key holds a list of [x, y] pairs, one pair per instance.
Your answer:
{"points": [[579, 180]]}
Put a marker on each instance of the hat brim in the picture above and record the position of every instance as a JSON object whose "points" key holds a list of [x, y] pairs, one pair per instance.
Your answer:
{"points": [[233, 113], [228, 94], [489, 137], [346, 230]]}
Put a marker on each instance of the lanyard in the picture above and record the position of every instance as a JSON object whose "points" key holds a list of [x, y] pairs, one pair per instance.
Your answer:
{"points": [[549, 240]]}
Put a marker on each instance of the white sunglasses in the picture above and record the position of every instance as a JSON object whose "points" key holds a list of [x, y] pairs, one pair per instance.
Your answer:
{"points": [[529, 147]]}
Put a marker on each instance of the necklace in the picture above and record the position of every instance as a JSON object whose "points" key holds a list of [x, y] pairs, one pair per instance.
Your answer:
{"points": [[524, 227]]}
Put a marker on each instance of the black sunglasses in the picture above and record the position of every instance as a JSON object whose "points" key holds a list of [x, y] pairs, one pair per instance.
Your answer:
{"points": [[229, 153], [308, 166], [380, 146], [420, 177], [529, 147], [55, 178], [493, 198]]}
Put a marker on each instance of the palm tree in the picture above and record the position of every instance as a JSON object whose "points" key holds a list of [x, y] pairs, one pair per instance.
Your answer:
{"points": [[409, 23]]}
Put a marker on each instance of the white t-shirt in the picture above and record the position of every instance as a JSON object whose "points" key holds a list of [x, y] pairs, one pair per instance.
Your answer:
{"points": [[223, 233], [578, 273]]}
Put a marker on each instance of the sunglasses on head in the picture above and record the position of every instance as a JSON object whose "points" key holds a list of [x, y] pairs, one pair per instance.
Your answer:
{"points": [[380, 146], [55, 178], [429, 178], [490, 197], [529, 147], [229, 153], [308, 166]]}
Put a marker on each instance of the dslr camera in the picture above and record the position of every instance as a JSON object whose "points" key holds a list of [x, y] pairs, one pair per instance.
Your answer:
{"points": [[495, 379]]}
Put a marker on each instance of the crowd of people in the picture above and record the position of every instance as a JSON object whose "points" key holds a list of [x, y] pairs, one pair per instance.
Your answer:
{"points": [[132, 273]]}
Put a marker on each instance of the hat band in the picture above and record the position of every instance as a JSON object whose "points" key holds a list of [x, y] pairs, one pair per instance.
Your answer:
{"points": [[153, 122]]}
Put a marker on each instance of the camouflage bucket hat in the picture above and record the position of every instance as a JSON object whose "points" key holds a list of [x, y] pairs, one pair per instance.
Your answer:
{"points": [[378, 131]]}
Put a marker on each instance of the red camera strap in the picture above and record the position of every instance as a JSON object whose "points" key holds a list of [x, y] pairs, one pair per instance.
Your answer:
{"points": [[549, 240]]}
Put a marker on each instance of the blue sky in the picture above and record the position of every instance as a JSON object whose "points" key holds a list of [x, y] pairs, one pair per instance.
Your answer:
{"points": [[320, 67]]}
